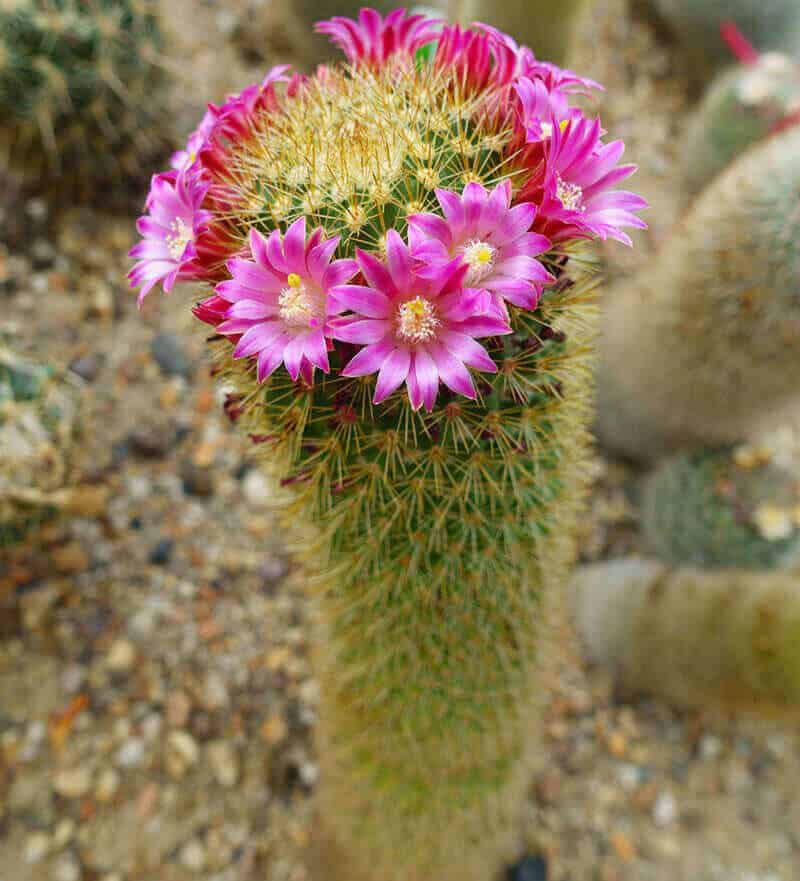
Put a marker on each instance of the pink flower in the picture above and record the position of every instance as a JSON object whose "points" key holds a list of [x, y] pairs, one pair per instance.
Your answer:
{"points": [[278, 302], [573, 186], [540, 107], [415, 329], [372, 39], [491, 238], [197, 140], [169, 232]]}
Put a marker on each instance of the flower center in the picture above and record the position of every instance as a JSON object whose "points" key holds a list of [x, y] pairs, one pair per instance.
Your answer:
{"points": [[417, 321], [570, 195], [179, 238], [480, 257], [297, 306], [546, 129]]}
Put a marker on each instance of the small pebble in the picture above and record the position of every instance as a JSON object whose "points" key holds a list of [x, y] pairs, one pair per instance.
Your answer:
{"points": [[258, 491], [37, 846], [63, 833], [131, 753], [87, 367], [168, 352], [224, 762], [66, 868], [107, 784], [528, 869], [665, 809], [181, 754], [121, 656], [73, 782], [193, 856], [162, 552]]}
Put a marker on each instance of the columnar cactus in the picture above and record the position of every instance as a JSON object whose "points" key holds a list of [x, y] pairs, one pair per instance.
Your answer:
{"points": [[703, 347], [415, 214], [768, 25], [728, 639], [38, 438], [743, 105], [79, 85], [721, 509]]}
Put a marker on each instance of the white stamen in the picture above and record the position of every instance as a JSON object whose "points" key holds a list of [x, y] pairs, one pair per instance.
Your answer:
{"points": [[570, 195], [298, 307], [179, 239], [417, 321], [480, 257]]}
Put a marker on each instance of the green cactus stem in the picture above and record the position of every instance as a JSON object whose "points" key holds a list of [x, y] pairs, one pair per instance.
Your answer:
{"points": [[742, 106], [703, 347], [725, 640], [80, 86]]}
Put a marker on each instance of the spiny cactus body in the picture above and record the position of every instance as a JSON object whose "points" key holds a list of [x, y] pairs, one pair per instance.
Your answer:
{"points": [[703, 347], [79, 88], [770, 25], [715, 510], [549, 28], [727, 639], [38, 436], [414, 215], [742, 106]]}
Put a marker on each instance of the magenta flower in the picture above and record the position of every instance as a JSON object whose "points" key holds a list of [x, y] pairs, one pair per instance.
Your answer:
{"points": [[574, 189], [416, 329], [372, 39], [540, 107], [169, 232], [197, 140], [491, 238], [278, 302]]}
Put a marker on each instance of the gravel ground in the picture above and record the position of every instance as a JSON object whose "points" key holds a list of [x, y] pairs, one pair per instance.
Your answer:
{"points": [[156, 700]]}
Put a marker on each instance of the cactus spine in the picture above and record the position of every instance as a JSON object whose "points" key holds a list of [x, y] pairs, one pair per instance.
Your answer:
{"points": [[770, 25], [703, 348], [432, 507], [79, 87], [742, 106], [728, 639], [720, 510]]}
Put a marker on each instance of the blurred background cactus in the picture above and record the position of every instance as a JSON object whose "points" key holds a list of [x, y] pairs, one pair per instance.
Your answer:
{"points": [[80, 86], [702, 348], [742, 106], [768, 25], [39, 430], [728, 639], [722, 509]]}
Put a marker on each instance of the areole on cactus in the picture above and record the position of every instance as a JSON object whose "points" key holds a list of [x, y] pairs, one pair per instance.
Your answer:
{"points": [[403, 314]]}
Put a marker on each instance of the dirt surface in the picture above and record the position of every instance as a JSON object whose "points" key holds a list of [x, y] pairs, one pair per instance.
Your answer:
{"points": [[156, 699]]}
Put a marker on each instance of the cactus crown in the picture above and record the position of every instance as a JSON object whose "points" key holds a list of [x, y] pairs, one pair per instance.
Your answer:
{"points": [[78, 84], [722, 509]]}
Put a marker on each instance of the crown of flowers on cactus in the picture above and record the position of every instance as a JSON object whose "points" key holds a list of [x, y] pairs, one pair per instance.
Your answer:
{"points": [[476, 159]]}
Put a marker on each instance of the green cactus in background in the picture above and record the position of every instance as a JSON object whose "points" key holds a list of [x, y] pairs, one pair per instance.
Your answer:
{"points": [[703, 347], [726, 639], [721, 510], [771, 25], [38, 439], [549, 28], [742, 106], [79, 88]]}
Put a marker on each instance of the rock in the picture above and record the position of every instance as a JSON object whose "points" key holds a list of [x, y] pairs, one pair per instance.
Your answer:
{"points": [[43, 254], [37, 846], [64, 831], [121, 656], [66, 868], [528, 869], [107, 784], [162, 552], [131, 753], [181, 754], [215, 691], [178, 708], [258, 491], [87, 367], [197, 480], [72, 783], [665, 809], [168, 352], [224, 762], [151, 442], [193, 856], [70, 559]]}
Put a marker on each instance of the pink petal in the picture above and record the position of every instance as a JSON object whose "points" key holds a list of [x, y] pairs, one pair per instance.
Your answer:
{"points": [[370, 358], [362, 300], [392, 373], [451, 371]]}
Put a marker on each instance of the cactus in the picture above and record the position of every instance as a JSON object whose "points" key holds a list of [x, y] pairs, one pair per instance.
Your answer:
{"points": [[727, 639], [721, 510], [703, 347], [549, 28], [742, 106], [79, 88], [772, 25], [386, 216], [38, 436]]}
